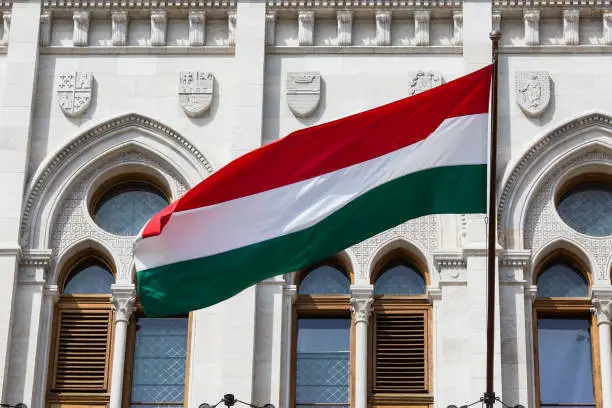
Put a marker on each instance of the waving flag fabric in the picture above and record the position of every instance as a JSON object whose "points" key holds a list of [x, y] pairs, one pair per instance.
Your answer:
{"points": [[316, 192]]}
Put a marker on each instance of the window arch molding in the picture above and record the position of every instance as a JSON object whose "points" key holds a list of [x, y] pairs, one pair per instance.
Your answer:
{"points": [[401, 248], [337, 261], [73, 254], [399, 256], [562, 249]]}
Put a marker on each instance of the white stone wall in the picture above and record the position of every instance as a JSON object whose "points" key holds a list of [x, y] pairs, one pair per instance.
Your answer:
{"points": [[247, 353]]}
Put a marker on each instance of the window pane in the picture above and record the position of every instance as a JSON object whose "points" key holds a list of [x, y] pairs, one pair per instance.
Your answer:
{"points": [[125, 209], [566, 367], [92, 279], [400, 280], [160, 357], [587, 208], [325, 280], [561, 280], [323, 348]]}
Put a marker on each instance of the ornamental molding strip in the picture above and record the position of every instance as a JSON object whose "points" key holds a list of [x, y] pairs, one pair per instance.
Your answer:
{"points": [[303, 92], [43, 176], [532, 92], [451, 266], [517, 4], [364, 4], [36, 257], [196, 91], [532, 156], [137, 4]]}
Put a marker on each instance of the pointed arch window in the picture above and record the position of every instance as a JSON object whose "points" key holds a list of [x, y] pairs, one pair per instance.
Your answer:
{"points": [[322, 338], [81, 345], [565, 335], [401, 330]]}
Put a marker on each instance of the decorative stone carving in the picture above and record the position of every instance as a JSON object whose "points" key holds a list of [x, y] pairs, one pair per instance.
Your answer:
{"points": [[421, 27], [361, 308], [607, 27], [231, 28], [457, 28], [196, 91], [383, 27], [159, 22], [80, 31], [271, 28], [345, 27], [532, 27], [571, 22], [74, 92], [306, 20], [197, 28], [602, 309], [46, 20], [532, 91], [303, 92], [123, 307], [452, 270], [424, 80], [119, 25], [6, 18], [496, 23]]}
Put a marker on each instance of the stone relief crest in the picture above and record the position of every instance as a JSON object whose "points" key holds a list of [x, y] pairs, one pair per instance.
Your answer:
{"points": [[532, 90], [74, 91], [423, 80], [303, 92], [196, 91]]}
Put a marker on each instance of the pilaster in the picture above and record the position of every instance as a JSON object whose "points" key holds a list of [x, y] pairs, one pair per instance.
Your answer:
{"points": [[458, 27], [383, 27], [80, 31], [6, 21], [232, 18], [46, 21], [345, 27], [271, 27], [602, 309], [421, 27], [607, 27], [306, 22], [289, 297], [159, 22], [532, 27], [197, 28], [571, 26], [119, 27]]}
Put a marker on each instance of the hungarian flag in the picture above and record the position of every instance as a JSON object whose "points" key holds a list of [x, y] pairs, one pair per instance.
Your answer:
{"points": [[315, 192]]}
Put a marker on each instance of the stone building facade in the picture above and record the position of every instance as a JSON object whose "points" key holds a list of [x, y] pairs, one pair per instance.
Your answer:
{"points": [[97, 94]]}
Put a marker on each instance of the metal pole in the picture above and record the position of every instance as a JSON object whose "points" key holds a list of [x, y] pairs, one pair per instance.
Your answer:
{"points": [[489, 397]]}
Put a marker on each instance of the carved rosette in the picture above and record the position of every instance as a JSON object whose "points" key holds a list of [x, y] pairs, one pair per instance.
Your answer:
{"points": [[80, 31], [119, 25], [383, 27], [6, 19], [361, 308], [571, 24], [159, 21], [231, 28], [424, 80], [345, 27], [457, 27], [271, 28], [532, 91], [197, 28], [306, 20], [532, 27], [46, 19], [303, 92], [421, 27], [74, 92], [602, 309], [607, 27], [123, 307], [196, 90]]}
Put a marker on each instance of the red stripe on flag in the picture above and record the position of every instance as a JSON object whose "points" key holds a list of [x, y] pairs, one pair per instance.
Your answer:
{"points": [[331, 146]]}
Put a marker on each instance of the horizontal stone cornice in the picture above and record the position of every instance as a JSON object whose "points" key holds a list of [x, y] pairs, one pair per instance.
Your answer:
{"points": [[518, 4], [138, 4], [364, 4]]}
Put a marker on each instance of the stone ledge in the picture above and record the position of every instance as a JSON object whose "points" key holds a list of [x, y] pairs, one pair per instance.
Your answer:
{"points": [[556, 49], [357, 49], [136, 50]]}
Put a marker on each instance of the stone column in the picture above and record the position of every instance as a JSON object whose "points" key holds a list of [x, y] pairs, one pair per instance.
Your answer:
{"points": [[50, 297], [602, 309], [123, 305], [289, 296], [361, 306]]}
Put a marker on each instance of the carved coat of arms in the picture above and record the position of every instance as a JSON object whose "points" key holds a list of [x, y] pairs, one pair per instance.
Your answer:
{"points": [[74, 92], [196, 91], [423, 80], [303, 92], [532, 89]]}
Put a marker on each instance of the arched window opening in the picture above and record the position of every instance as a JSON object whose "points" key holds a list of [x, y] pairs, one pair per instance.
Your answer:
{"points": [[325, 280], [90, 277], [562, 279], [401, 279]]}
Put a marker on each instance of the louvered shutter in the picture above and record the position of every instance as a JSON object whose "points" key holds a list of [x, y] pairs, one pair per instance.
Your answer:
{"points": [[82, 351], [401, 364]]}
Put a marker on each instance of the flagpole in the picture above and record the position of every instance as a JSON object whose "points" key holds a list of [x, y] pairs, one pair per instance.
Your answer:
{"points": [[489, 397]]}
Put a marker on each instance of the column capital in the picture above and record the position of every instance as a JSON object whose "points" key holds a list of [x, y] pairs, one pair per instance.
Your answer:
{"points": [[290, 292], [361, 307], [602, 309], [52, 292], [123, 299]]}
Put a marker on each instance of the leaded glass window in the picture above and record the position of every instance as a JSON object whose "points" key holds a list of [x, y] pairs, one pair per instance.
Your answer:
{"points": [[90, 277], [325, 280], [561, 280], [125, 208], [323, 361], [565, 362], [587, 208], [400, 280], [160, 358]]}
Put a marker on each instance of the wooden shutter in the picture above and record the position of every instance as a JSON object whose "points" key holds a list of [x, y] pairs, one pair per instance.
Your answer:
{"points": [[82, 351], [401, 361]]}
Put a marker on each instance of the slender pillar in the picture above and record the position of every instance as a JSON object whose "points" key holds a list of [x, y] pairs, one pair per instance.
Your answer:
{"points": [[602, 308], [123, 305], [361, 306], [289, 296], [51, 296]]}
